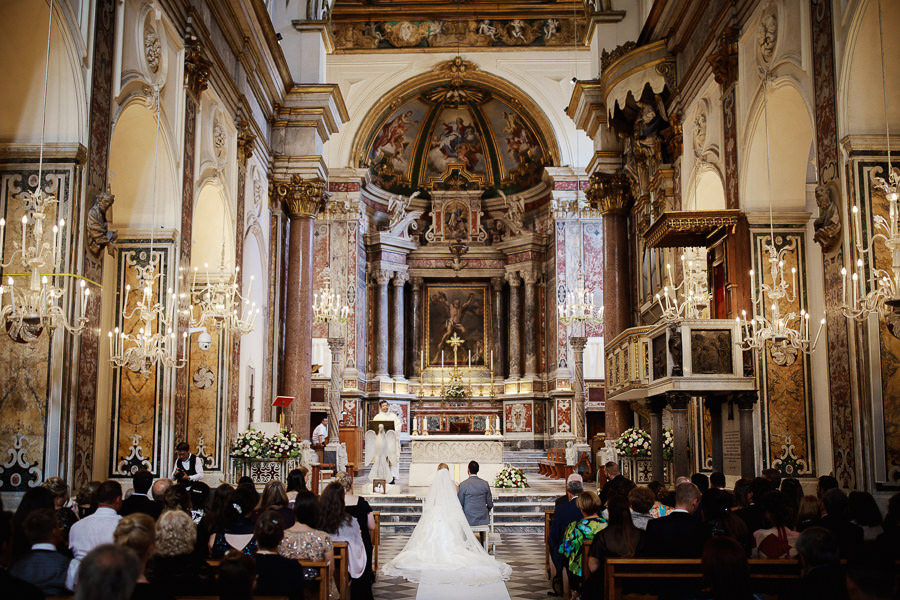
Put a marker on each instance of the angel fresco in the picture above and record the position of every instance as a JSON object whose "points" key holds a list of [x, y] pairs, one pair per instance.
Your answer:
{"points": [[392, 140], [523, 146], [457, 141]]}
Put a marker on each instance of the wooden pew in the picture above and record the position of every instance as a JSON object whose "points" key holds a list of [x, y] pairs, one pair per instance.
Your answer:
{"points": [[342, 569], [376, 539], [585, 552], [548, 564], [321, 578]]}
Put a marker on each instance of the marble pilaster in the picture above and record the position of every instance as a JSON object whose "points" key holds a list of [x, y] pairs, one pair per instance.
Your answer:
{"points": [[416, 329], [398, 327], [678, 403], [578, 344], [499, 338], [530, 324], [336, 345], [515, 322], [381, 279], [714, 405], [746, 401]]}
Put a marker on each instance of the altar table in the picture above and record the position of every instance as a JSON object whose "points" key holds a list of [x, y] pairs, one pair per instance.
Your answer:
{"points": [[428, 451]]}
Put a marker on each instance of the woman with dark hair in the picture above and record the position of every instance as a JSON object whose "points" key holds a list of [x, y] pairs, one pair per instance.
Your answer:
{"points": [[358, 508], [620, 539], [659, 508], [237, 531], [275, 574], [741, 494], [296, 483], [302, 541], [199, 500], [34, 499], [725, 571], [65, 515], [865, 513], [779, 539], [808, 512], [719, 519], [335, 521], [213, 517], [86, 499], [274, 498], [792, 491]]}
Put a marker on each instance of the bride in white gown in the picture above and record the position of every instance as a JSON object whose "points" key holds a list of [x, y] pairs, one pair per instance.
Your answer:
{"points": [[442, 549]]}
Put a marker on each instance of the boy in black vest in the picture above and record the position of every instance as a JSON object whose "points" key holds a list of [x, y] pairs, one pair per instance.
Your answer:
{"points": [[188, 467]]}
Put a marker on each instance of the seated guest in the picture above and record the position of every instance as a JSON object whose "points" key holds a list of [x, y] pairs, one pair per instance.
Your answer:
{"points": [[864, 512], [97, 528], [237, 576], [793, 492], [359, 509], [701, 481], [43, 566], [773, 476], [86, 499], [138, 532], [822, 576], [741, 493], [565, 514], [581, 531], [274, 498], [825, 483], [12, 586], [641, 500], [108, 572], [614, 477], [725, 571], [719, 520], [160, 486], [717, 480], [752, 514], [275, 574], [64, 514], [871, 574], [669, 498], [620, 539], [236, 532], [889, 541], [174, 565], [343, 528], [38, 498], [177, 497], [213, 517], [659, 508], [567, 497], [296, 483], [302, 541], [778, 540], [139, 501], [808, 513], [680, 534], [837, 520], [199, 500]]}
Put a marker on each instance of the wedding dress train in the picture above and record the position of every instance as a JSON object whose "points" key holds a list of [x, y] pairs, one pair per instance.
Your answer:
{"points": [[442, 548]]}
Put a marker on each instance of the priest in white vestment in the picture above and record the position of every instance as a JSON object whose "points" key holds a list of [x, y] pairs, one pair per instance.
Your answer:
{"points": [[385, 414]]}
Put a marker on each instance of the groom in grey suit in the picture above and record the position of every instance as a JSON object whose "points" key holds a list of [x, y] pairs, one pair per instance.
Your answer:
{"points": [[475, 497]]}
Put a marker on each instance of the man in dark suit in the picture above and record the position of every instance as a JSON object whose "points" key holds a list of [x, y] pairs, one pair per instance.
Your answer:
{"points": [[680, 534], [139, 501], [565, 513], [43, 566], [615, 479], [475, 497], [836, 520]]}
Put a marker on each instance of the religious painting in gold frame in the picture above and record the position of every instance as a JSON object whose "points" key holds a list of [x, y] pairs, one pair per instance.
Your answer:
{"points": [[464, 310]]}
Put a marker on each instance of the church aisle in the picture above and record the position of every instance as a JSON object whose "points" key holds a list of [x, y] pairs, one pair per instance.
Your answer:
{"points": [[523, 552]]}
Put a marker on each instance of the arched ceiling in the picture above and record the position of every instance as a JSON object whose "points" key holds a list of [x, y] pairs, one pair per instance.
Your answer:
{"points": [[462, 133]]}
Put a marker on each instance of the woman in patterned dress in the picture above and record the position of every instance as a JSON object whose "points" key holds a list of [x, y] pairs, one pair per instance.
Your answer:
{"points": [[303, 542], [579, 532]]}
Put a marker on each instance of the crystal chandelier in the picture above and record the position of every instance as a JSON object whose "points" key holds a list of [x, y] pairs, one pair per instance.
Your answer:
{"points": [[220, 303], [882, 294], [694, 297], [579, 307], [784, 331], [27, 310], [152, 341], [328, 307]]}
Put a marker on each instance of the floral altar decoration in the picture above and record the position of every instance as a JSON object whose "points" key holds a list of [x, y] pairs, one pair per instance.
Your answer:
{"points": [[633, 448], [266, 458], [511, 477]]}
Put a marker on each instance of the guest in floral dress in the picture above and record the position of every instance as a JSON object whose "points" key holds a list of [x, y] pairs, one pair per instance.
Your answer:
{"points": [[303, 542], [580, 532]]}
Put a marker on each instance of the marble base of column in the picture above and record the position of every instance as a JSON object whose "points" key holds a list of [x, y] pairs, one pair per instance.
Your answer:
{"points": [[678, 402], [714, 405], [746, 401], [657, 405]]}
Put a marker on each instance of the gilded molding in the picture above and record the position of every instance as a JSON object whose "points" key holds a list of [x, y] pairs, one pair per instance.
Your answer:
{"points": [[196, 66], [610, 193], [724, 57], [302, 198]]}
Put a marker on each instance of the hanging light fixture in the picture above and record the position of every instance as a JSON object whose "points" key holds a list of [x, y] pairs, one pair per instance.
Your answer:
{"points": [[784, 331], [579, 306], [694, 296], [881, 293], [153, 341], [26, 310], [328, 306]]}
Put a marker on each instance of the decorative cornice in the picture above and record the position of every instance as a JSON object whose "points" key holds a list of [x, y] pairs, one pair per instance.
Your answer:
{"points": [[689, 228], [608, 58], [610, 193], [302, 198], [196, 66], [245, 140], [724, 57]]}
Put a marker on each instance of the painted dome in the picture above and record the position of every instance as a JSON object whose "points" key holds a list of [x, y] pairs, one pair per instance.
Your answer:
{"points": [[446, 136]]}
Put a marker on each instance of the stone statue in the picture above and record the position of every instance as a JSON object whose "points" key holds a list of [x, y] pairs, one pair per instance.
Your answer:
{"points": [[401, 219], [827, 225], [571, 457], [675, 351], [99, 235], [514, 220]]}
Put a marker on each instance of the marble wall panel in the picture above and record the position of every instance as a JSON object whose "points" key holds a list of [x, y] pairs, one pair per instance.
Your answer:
{"points": [[563, 416], [592, 261], [321, 252], [518, 417], [561, 339], [206, 398]]}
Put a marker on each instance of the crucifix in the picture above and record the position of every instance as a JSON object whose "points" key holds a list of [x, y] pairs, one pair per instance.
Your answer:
{"points": [[456, 342]]}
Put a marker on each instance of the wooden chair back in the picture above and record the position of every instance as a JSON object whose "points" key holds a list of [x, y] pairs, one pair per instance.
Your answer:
{"points": [[321, 578], [548, 517], [342, 569], [376, 539]]}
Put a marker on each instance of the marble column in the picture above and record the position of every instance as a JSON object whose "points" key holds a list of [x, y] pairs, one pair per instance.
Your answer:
{"points": [[657, 460], [381, 323], [499, 338], [746, 401], [678, 402], [335, 344], [514, 323], [530, 324], [398, 327], [714, 405], [302, 199], [417, 347], [578, 344]]}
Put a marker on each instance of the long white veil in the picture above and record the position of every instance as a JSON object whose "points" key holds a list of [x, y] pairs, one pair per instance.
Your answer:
{"points": [[442, 548]]}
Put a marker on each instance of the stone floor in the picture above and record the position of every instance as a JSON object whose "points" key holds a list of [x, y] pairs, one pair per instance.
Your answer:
{"points": [[523, 552]]}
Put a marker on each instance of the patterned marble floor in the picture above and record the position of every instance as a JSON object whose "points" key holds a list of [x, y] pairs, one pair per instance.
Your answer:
{"points": [[523, 552]]}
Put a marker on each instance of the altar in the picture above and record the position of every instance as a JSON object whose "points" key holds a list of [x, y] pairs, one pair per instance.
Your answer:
{"points": [[428, 451]]}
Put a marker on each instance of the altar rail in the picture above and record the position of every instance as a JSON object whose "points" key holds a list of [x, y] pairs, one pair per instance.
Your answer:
{"points": [[263, 470]]}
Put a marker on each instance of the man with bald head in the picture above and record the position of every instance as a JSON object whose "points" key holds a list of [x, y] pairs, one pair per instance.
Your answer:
{"points": [[160, 486], [680, 534]]}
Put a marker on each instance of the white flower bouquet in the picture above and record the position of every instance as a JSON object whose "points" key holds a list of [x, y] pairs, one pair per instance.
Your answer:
{"points": [[511, 477], [668, 442], [633, 443], [256, 444]]}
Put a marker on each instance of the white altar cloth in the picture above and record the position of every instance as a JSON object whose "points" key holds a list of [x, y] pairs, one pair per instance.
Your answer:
{"points": [[428, 451]]}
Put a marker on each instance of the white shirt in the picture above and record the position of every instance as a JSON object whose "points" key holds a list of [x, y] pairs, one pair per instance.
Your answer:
{"points": [[87, 534], [319, 433], [184, 464]]}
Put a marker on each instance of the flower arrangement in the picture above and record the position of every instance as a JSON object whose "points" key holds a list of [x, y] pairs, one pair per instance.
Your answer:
{"points": [[668, 442], [511, 477], [256, 444], [633, 442], [456, 391]]}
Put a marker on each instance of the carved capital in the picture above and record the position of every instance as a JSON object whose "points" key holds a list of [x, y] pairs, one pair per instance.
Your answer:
{"points": [[496, 283], [196, 66], [512, 278], [746, 400], [245, 141], [678, 400], [610, 193], [417, 283], [400, 278], [302, 198], [382, 276], [724, 57]]}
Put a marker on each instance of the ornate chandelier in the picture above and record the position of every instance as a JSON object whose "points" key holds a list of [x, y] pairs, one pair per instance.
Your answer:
{"points": [[220, 303], [27, 310], [579, 306], [152, 341], [694, 296], [328, 306], [882, 293], [784, 331]]}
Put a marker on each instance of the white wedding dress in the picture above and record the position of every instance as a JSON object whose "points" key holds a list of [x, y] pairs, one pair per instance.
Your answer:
{"points": [[442, 548]]}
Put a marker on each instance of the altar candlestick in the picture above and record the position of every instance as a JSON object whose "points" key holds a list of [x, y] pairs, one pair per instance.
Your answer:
{"points": [[492, 361], [470, 359], [442, 362], [422, 363]]}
